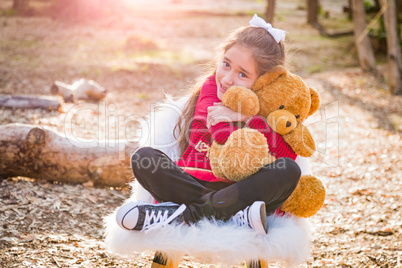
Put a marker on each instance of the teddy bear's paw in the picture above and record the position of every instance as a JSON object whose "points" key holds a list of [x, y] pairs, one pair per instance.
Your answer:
{"points": [[242, 100], [307, 199], [245, 152], [301, 141]]}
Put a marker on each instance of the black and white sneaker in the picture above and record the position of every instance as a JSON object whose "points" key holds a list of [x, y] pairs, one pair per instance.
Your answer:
{"points": [[145, 217], [254, 216]]}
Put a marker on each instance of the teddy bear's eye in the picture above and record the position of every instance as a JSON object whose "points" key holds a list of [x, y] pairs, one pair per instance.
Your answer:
{"points": [[281, 107], [297, 116]]}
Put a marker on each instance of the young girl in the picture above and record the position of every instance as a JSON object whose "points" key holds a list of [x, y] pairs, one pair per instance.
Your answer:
{"points": [[248, 53]]}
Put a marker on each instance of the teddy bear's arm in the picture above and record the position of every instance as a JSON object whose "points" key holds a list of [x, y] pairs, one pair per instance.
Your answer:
{"points": [[301, 141]]}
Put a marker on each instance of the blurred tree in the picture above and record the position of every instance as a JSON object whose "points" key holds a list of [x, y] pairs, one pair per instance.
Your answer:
{"points": [[20, 6], [313, 7], [362, 41], [312, 12], [270, 11], [393, 47]]}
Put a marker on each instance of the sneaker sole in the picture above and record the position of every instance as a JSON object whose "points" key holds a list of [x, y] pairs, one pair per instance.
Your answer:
{"points": [[257, 213]]}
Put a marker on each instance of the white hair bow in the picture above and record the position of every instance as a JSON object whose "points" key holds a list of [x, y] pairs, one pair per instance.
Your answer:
{"points": [[277, 34]]}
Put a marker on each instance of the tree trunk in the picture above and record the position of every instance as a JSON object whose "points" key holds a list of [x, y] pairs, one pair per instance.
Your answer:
{"points": [[270, 11], [30, 102], [393, 48], [398, 7], [38, 153], [20, 6], [312, 12], [362, 41]]}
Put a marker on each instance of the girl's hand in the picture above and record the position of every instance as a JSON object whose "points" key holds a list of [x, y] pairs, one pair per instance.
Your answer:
{"points": [[220, 113]]}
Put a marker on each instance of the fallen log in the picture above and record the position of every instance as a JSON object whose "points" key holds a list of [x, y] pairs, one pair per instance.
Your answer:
{"points": [[39, 153], [82, 89], [30, 102]]}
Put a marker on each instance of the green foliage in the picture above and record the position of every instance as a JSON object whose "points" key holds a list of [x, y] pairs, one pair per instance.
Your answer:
{"points": [[315, 69], [8, 13], [320, 10], [368, 5]]}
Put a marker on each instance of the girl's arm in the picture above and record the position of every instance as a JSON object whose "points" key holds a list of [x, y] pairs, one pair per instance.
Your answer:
{"points": [[220, 113], [219, 121], [221, 131], [212, 114]]}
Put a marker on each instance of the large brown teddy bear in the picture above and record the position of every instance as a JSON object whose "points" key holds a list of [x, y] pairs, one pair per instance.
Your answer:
{"points": [[285, 101]]}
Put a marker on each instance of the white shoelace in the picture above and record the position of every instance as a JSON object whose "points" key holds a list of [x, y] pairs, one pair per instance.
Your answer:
{"points": [[161, 219], [241, 217]]}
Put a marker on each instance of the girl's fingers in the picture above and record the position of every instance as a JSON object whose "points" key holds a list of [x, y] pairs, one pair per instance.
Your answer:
{"points": [[214, 111], [214, 107], [209, 120], [219, 113]]}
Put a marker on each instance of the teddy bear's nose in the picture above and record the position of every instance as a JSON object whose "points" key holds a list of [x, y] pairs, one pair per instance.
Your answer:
{"points": [[288, 124]]}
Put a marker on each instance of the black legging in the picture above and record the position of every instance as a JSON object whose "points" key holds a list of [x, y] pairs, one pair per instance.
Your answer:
{"points": [[166, 181]]}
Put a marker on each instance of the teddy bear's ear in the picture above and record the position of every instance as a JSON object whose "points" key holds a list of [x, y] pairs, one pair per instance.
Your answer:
{"points": [[268, 78], [315, 101]]}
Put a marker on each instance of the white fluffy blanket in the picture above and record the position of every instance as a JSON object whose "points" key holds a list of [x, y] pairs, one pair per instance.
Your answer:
{"points": [[287, 239]]}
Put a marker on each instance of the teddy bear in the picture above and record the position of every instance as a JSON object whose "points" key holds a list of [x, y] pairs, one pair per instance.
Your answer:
{"points": [[285, 101]]}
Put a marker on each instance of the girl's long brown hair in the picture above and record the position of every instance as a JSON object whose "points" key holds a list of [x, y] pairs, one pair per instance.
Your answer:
{"points": [[267, 54]]}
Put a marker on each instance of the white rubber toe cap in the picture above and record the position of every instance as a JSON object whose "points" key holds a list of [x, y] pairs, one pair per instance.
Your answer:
{"points": [[127, 216]]}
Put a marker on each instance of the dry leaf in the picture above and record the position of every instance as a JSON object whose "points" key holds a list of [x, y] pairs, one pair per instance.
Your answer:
{"points": [[88, 184]]}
